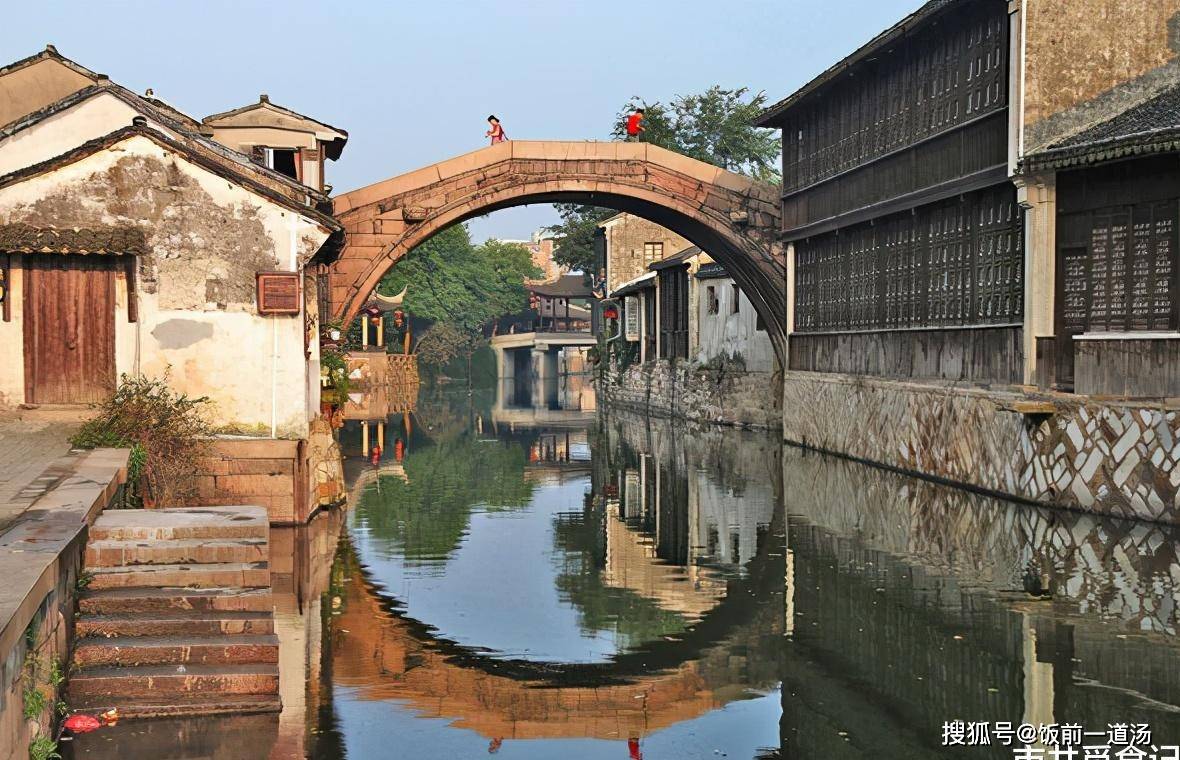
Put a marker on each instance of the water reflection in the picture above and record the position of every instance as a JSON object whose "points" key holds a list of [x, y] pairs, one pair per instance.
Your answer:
{"points": [[557, 584]]}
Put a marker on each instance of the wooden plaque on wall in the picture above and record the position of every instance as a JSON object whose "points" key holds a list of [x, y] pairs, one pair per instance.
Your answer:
{"points": [[278, 293]]}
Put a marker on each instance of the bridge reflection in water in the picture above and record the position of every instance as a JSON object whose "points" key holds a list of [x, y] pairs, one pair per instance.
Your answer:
{"points": [[556, 589]]}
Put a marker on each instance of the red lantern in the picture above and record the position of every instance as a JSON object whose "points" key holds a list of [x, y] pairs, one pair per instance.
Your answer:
{"points": [[611, 312]]}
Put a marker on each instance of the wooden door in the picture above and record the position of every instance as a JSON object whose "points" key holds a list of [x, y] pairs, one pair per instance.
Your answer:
{"points": [[69, 321]]}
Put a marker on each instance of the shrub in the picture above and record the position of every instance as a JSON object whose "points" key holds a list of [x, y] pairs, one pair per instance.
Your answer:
{"points": [[163, 429]]}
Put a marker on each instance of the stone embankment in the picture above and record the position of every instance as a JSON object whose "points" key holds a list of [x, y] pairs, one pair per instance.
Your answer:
{"points": [[41, 552], [696, 393]]}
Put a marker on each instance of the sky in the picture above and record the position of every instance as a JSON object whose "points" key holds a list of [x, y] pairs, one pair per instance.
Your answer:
{"points": [[413, 81]]}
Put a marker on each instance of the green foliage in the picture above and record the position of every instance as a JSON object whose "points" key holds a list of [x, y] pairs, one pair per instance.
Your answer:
{"points": [[168, 427], [574, 235], [34, 699], [715, 126], [334, 364], [426, 517], [85, 578], [451, 280], [43, 748]]}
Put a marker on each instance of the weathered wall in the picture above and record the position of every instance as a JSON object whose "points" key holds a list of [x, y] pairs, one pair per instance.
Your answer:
{"points": [[726, 333], [625, 236], [92, 118], [207, 238], [723, 395], [1107, 458], [35, 86], [1087, 61]]}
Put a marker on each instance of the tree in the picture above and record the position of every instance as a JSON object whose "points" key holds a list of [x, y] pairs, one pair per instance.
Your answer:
{"points": [[460, 287], [715, 126], [451, 280], [575, 234]]}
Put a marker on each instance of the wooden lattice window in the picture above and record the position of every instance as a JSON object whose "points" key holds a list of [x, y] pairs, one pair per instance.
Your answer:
{"points": [[673, 295], [955, 263]]}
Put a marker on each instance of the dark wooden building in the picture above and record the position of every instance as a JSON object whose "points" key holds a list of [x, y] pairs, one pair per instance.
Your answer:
{"points": [[1116, 315], [905, 234]]}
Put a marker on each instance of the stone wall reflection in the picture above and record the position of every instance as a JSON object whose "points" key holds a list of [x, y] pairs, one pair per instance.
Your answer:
{"points": [[913, 603]]}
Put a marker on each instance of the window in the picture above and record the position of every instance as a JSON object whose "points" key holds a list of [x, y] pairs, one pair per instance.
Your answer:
{"points": [[760, 323], [653, 252], [736, 306], [1117, 270], [711, 305], [282, 160]]}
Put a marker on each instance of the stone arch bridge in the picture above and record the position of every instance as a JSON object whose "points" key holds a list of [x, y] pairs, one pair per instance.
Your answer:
{"points": [[732, 217]]}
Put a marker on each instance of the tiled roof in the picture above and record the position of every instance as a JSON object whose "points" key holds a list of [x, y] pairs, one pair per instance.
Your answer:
{"points": [[566, 286], [171, 121], [770, 116], [711, 272], [221, 169], [21, 238], [675, 260], [1153, 126]]}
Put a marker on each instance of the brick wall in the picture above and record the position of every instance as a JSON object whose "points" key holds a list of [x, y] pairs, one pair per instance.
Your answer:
{"points": [[289, 478], [721, 395], [625, 237], [1107, 458]]}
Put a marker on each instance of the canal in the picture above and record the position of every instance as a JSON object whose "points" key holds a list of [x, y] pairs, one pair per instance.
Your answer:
{"points": [[562, 582]]}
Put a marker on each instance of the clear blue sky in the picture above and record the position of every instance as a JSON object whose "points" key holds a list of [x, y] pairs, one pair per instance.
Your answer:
{"points": [[412, 81]]}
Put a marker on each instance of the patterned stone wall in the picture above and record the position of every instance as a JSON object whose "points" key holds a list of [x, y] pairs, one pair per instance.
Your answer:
{"points": [[720, 395], [1112, 458]]}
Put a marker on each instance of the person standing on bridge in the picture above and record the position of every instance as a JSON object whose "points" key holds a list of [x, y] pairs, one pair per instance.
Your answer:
{"points": [[635, 125], [496, 132]]}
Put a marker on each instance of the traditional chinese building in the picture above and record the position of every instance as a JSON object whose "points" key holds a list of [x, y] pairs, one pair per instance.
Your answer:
{"points": [[136, 239], [980, 204]]}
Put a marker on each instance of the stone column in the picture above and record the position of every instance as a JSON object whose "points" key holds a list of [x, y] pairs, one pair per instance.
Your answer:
{"points": [[1037, 196], [540, 375]]}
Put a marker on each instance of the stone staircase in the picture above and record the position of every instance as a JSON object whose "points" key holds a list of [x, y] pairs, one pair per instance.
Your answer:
{"points": [[177, 618]]}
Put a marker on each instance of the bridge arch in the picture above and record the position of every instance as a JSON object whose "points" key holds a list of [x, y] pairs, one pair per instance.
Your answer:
{"points": [[733, 218]]}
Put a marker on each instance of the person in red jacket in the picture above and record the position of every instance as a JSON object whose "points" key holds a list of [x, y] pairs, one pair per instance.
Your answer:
{"points": [[635, 125]]}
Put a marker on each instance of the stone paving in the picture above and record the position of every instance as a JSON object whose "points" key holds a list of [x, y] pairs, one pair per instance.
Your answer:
{"points": [[30, 441]]}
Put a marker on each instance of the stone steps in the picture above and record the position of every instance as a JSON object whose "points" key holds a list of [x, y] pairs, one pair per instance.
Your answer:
{"points": [[193, 703], [118, 601], [174, 623], [115, 552], [171, 524], [177, 618], [114, 685], [161, 650], [193, 575]]}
